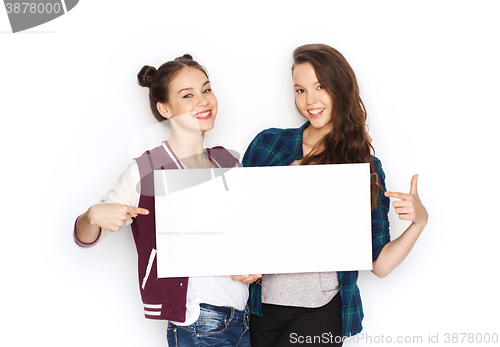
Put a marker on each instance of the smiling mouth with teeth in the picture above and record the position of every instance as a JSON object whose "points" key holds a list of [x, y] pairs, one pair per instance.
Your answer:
{"points": [[203, 115], [315, 113]]}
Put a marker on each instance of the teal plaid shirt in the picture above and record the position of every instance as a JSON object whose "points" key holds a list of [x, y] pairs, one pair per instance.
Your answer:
{"points": [[275, 147]]}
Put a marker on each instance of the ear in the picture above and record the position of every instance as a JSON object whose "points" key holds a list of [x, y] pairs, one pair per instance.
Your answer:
{"points": [[163, 109]]}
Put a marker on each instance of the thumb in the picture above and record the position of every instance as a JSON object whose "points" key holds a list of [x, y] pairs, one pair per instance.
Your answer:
{"points": [[413, 188]]}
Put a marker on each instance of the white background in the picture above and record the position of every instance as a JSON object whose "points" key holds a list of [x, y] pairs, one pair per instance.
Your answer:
{"points": [[72, 115]]}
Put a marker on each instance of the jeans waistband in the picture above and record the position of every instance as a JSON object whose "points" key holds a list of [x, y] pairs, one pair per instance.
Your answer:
{"points": [[228, 311]]}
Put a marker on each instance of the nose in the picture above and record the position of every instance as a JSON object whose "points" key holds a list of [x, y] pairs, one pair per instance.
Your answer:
{"points": [[311, 98], [202, 101]]}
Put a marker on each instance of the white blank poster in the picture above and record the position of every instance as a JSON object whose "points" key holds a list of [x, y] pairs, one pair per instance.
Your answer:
{"points": [[250, 220]]}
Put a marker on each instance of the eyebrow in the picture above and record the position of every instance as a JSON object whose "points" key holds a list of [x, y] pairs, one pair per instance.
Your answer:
{"points": [[191, 88], [298, 85]]}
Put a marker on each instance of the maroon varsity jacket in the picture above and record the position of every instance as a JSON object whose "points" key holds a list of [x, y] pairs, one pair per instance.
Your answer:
{"points": [[163, 298]]}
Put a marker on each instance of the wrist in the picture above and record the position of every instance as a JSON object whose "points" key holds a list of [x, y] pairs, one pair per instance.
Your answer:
{"points": [[90, 216], [420, 225]]}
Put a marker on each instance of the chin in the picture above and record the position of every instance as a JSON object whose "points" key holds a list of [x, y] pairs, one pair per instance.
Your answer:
{"points": [[207, 127], [318, 123]]}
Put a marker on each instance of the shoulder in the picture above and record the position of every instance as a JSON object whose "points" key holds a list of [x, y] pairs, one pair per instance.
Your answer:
{"points": [[376, 161], [223, 156], [156, 151], [273, 134], [274, 146], [154, 159], [274, 139], [125, 189]]}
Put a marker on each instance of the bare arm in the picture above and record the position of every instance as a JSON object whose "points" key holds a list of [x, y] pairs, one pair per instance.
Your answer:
{"points": [[409, 208]]}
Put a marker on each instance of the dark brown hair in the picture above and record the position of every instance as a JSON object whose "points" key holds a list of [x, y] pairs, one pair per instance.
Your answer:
{"points": [[348, 141], [158, 80]]}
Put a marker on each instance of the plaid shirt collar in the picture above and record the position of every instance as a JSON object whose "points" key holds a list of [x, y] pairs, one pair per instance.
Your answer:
{"points": [[275, 147], [295, 145]]}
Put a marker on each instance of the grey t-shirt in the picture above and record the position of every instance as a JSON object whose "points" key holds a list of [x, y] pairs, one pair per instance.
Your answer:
{"points": [[310, 289]]}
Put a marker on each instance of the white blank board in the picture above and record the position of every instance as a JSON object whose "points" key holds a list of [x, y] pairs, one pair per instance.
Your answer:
{"points": [[263, 220]]}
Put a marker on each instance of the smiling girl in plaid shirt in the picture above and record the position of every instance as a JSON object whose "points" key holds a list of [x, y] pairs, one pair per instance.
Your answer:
{"points": [[288, 308]]}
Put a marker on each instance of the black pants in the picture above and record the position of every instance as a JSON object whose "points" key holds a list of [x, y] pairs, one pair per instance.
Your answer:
{"points": [[294, 326]]}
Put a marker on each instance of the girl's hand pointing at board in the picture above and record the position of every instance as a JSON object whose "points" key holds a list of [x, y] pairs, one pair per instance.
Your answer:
{"points": [[108, 216], [410, 207], [111, 216]]}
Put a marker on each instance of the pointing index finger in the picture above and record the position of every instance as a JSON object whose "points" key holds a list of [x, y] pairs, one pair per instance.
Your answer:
{"points": [[402, 196], [137, 210]]}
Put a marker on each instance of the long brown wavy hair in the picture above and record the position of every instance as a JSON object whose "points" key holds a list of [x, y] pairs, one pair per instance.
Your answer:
{"points": [[348, 141]]}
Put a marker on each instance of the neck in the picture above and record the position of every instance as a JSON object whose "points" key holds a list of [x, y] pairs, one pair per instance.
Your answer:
{"points": [[187, 145], [312, 135]]}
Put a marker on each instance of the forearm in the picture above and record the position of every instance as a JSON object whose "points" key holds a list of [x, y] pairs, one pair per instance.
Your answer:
{"points": [[86, 232], [396, 251]]}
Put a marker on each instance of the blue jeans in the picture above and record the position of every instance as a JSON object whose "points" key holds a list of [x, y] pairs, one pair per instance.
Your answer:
{"points": [[216, 326]]}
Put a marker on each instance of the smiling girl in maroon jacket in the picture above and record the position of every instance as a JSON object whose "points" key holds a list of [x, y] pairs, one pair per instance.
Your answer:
{"points": [[202, 311]]}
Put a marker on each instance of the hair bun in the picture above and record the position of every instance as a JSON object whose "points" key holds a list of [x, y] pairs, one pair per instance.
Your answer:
{"points": [[145, 76], [184, 58]]}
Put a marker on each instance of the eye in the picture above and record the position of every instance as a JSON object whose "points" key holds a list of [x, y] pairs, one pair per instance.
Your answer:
{"points": [[208, 90], [319, 87], [187, 96], [299, 91]]}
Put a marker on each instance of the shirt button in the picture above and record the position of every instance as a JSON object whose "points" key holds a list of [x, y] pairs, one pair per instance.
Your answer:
{"points": [[182, 284]]}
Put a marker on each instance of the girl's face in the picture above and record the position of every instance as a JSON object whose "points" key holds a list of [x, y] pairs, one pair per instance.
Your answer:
{"points": [[312, 101], [192, 104]]}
